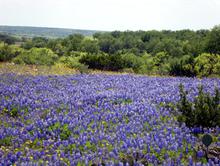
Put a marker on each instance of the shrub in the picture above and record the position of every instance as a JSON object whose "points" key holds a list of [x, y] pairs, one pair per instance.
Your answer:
{"points": [[95, 61], [207, 64], [161, 63], [182, 66], [103, 61], [128, 70], [8, 52], [203, 111], [148, 64], [73, 62], [83, 68], [131, 61], [37, 56]]}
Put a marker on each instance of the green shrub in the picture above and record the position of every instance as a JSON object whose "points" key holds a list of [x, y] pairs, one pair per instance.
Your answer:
{"points": [[73, 62], [148, 64], [7, 52], [161, 63], [203, 111], [131, 61], [96, 61], [128, 70], [36, 56], [103, 61], [83, 68], [183, 66], [207, 64]]}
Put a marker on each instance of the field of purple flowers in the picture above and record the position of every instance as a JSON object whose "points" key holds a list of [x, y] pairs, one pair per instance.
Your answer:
{"points": [[96, 119]]}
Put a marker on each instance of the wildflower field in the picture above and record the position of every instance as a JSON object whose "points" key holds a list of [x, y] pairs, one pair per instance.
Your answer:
{"points": [[97, 119]]}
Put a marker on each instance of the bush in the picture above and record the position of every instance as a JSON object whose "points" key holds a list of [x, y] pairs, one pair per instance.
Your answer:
{"points": [[8, 52], [131, 61], [95, 61], [73, 62], [127, 70], [161, 63], [207, 64], [182, 66], [103, 61], [36, 56], [147, 66], [203, 111]]}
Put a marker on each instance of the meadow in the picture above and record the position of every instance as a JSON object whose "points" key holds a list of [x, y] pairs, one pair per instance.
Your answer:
{"points": [[98, 119]]}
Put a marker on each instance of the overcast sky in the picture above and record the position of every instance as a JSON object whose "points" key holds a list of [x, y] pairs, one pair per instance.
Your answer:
{"points": [[112, 14]]}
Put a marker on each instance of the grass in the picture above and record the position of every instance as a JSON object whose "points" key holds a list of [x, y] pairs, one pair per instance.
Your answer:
{"points": [[57, 69]]}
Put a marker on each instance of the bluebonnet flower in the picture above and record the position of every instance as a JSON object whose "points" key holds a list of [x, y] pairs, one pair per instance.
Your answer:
{"points": [[116, 114], [200, 154]]}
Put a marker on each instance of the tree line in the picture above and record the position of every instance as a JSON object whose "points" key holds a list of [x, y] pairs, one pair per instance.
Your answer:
{"points": [[176, 53]]}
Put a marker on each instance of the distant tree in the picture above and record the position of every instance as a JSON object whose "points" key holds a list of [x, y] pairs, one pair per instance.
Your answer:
{"points": [[173, 47], [8, 39], [116, 34], [213, 41], [90, 46], [73, 42], [105, 42], [151, 35], [38, 42], [56, 46], [97, 35]]}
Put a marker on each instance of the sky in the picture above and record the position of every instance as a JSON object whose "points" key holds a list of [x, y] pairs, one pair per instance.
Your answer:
{"points": [[112, 15]]}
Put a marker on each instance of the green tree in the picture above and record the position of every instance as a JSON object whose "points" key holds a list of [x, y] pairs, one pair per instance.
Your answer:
{"points": [[90, 46], [56, 46], [73, 43], [213, 41], [161, 62], [8, 39], [38, 42]]}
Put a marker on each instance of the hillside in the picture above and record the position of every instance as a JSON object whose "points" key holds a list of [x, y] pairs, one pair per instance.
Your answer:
{"points": [[43, 31]]}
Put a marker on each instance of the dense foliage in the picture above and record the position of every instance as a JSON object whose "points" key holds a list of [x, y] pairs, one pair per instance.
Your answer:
{"points": [[8, 52], [38, 56], [97, 119], [176, 53], [203, 111], [7, 39]]}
